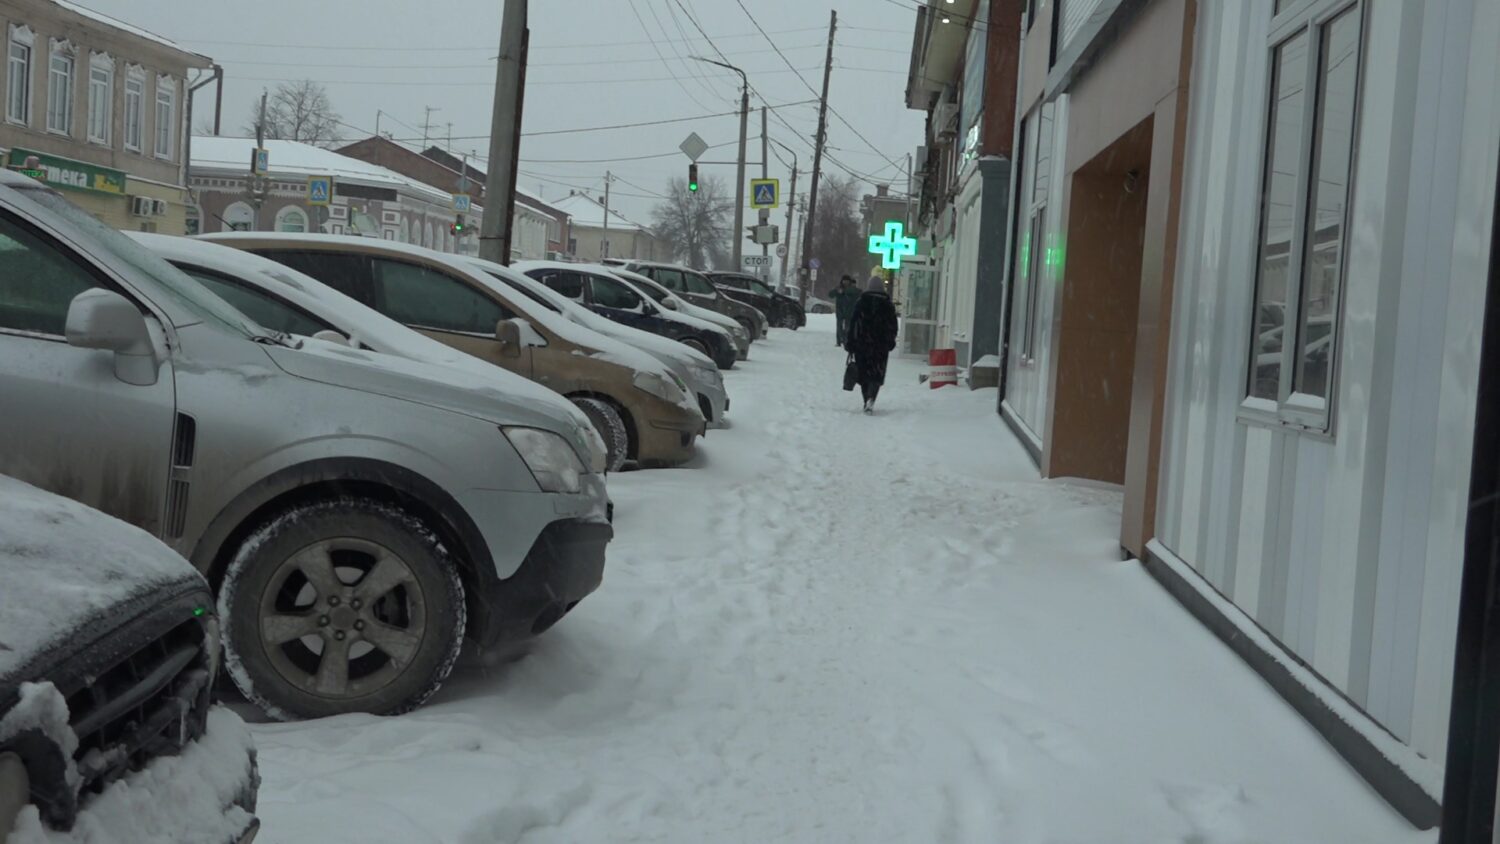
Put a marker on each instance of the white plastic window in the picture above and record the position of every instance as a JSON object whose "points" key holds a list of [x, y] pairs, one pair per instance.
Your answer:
{"points": [[1310, 144], [60, 74], [101, 97], [18, 75]]}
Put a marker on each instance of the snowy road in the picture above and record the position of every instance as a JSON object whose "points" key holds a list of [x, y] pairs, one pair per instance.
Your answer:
{"points": [[839, 628]]}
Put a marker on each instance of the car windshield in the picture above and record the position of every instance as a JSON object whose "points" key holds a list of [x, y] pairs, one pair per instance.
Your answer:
{"points": [[164, 277]]}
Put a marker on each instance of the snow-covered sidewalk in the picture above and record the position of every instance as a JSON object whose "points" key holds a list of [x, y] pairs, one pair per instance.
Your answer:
{"points": [[839, 628]]}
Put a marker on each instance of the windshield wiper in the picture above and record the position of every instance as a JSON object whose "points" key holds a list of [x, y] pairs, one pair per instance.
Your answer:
{"points": [[278, 338]]}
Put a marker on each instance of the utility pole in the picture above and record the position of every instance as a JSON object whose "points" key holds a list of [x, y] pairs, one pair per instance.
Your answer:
{"points": [[812, 200], [739, 182], [505, 135], [604, 244], [257, 193], [791, 201]]}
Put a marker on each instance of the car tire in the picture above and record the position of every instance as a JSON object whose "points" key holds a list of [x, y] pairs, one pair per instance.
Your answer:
{"points": [[698, 346], [611, 426], [751, 330], [393, 640]]}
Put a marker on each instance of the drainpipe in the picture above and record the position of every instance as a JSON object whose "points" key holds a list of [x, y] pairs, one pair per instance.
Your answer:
{"points": [[187, 141]]}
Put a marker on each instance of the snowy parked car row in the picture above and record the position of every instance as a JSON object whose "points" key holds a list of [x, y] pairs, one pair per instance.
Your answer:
{"points": [[319, 463]]}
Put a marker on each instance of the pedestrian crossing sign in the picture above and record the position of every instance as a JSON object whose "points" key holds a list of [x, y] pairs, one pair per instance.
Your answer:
{"points": [[765, 193], [319, 190]]}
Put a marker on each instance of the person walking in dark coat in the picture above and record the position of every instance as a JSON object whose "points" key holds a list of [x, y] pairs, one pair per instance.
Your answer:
{"points": [[844, 296], [872, 336]]}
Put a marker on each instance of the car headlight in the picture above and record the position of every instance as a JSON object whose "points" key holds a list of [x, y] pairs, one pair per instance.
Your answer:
{"points": [[738, 333], [553, 462], [708, 375], [658, 386]]}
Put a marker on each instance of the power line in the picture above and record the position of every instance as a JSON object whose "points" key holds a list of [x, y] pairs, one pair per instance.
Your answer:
{"points": [[643, 123], [661, 56], [487, 65], [611, 160], [695, 70], [805, 83], [396, 48], [450, 84], [910, 8]]}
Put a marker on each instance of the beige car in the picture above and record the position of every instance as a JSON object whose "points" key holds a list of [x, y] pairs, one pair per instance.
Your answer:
{"points": [[642, 410]]}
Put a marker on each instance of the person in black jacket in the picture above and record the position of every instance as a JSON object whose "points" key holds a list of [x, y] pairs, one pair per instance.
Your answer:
{"points": [[872, 336]]}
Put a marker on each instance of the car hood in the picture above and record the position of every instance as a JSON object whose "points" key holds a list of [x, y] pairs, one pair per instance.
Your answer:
{"points": [[66, 568], [463, 391]]}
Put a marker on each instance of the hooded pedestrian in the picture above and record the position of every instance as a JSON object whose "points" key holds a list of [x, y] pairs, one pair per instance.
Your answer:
{"points": [[872, 336], [844, 297]]}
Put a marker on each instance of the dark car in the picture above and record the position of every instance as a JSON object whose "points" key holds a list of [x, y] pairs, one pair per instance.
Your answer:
{"points": [[782, 311], [608, 296], [109, 647], [696, 288]]}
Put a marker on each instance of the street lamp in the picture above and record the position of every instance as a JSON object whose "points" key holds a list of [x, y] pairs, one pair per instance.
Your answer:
{"points": [[739, 186]]}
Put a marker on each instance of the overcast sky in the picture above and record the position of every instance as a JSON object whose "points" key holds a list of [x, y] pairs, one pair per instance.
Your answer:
{"points": [[593, 63]]}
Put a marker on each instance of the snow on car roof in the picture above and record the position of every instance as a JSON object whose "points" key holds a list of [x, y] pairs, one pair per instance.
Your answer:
{"points": [[605, 348], [350, 316], [63, 564]]}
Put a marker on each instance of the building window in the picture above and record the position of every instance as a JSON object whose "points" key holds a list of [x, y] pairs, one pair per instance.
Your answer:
{"points": [[18, 75], [291, 219], [60, 88], [101, 97], [135, 103], [1034, 258], [239, 217], [166, 101], [1310, 143]]}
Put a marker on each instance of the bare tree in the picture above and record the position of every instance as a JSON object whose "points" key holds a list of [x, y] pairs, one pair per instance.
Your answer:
{"points": [[839, 241], [298, 111], [695, 226]]}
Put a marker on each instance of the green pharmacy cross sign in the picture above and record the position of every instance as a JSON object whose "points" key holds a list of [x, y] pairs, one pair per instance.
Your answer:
{"points": [[893, 246]]}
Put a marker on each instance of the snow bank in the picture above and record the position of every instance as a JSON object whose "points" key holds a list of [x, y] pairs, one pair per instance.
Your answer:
{"points": [[173, 800]]}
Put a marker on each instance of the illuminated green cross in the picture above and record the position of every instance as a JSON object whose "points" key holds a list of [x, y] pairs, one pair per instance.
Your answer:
{"points": [[893, 246]]}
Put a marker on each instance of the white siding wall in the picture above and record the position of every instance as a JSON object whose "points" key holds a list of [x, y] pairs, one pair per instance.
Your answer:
{"points": [[1346, 547], [1027, 382]]}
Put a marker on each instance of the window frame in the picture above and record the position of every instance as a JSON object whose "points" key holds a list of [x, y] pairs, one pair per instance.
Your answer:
{"points": [[1034, 248], [287, 211], [197, 272], [64, 51], [377, 277], [101, 63], [1302, 412], [20, 35], [135, 75], [591, 279], [165, 84]]}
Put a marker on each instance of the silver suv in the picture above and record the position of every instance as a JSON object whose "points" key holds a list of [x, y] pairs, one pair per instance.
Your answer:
{"points": [[357, 513]]}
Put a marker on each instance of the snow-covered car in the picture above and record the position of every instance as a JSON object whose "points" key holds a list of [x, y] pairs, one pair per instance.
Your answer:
{"points": [[782, 310], [595, 288], [359, 514], [694, 286], [819, 306], [109, 648], [683, 308], [642, 410], [698, 371]]}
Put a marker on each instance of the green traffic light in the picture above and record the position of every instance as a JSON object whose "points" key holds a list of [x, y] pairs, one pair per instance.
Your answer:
{"points": [[693, 186]]}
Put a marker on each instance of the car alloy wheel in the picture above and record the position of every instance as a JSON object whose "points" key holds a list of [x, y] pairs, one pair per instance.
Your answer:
{"points": [[342, 606]]}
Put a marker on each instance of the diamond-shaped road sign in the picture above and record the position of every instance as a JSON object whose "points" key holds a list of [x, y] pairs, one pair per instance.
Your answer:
{"points": [[693, 147]]}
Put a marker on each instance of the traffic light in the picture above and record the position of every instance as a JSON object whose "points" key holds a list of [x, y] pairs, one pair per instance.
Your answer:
{"points": [[751, 230], [693, 178], [457, 229]]}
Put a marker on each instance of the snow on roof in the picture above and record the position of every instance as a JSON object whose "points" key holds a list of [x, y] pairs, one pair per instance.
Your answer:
{"points": [[132, 29], [587, 211], [294, 158]]}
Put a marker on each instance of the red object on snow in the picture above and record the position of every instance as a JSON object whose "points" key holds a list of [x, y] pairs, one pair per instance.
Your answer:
{"points": [[944, 365]]}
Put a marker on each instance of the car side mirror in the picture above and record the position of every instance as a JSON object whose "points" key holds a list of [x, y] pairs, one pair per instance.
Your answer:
{"points": [[328, 335], [669, 304], [103, 319], [508, 332]]}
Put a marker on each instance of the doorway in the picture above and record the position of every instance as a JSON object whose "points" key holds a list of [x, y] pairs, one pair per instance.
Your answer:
{"points": [[1099, 305]]}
